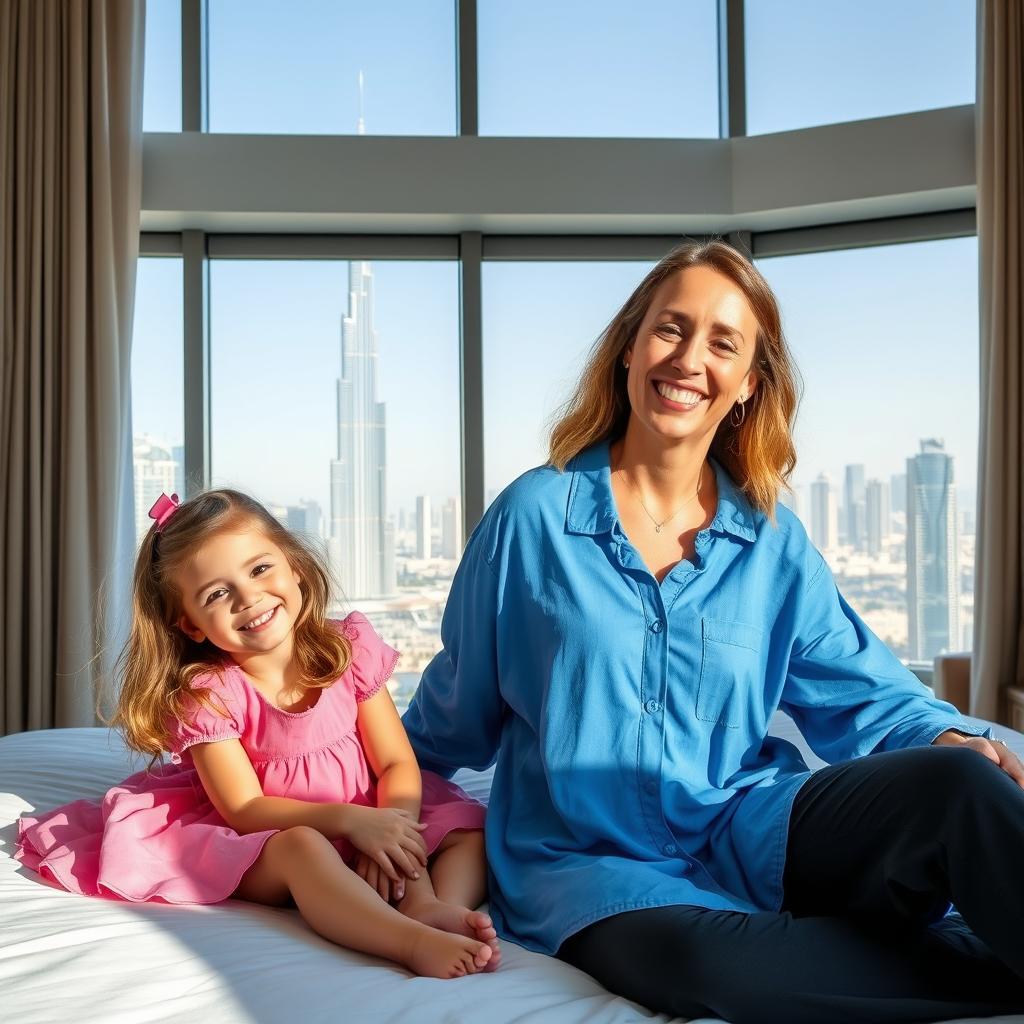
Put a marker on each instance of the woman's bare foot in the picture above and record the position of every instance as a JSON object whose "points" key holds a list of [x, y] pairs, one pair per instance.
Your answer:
{"points": [[436, 953], [450, 917]]}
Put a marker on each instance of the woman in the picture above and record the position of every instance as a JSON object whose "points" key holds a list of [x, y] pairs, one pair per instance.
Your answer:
{"points": [[623, 625]]}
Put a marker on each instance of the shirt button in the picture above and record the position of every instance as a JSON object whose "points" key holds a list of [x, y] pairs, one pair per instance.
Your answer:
{"points": [[656, 626], [669, 849], [652, 707], [651, 786]]}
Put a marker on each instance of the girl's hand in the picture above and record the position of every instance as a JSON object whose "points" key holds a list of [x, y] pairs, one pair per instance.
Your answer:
{"points": [[371, 873], [389, 837]]}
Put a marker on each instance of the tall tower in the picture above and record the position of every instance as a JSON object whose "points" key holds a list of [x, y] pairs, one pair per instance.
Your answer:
{"points": [[876, 503], [357, 528], [451, 529], [933, 573], [423, 527], [854, 507], [823, 513]]}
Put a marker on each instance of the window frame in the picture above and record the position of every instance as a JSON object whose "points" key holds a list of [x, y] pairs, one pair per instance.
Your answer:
{"points": [[904, 211]]}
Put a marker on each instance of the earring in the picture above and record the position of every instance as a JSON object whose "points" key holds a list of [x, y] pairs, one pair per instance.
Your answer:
{"points": [[625, 363], [743, 413]]}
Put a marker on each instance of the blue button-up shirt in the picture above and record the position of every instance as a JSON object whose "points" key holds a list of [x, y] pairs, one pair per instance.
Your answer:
{"points": [[629, 718]]}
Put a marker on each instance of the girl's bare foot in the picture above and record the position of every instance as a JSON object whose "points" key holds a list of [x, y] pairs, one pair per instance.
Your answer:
{"points": [[450, 917], [435, 953]]}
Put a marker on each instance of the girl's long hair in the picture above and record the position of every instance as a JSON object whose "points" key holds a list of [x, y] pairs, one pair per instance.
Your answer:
{"points": [[759, 454], [159, 663]]}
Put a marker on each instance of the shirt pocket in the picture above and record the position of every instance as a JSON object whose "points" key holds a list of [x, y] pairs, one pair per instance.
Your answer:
{"points": [[729, 670]]}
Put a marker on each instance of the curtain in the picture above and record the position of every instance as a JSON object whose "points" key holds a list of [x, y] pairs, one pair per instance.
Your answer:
{"points": [[998, 658], [70, 194]]}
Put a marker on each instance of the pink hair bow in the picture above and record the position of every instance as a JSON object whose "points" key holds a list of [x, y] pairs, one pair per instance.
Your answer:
{"points": [[162, 510]]}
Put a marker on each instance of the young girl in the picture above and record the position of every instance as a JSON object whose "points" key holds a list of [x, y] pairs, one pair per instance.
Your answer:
{"points": [[291, 779]]}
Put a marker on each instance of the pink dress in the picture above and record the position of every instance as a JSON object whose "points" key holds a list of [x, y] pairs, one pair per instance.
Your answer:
{"points": [[156, 836]]}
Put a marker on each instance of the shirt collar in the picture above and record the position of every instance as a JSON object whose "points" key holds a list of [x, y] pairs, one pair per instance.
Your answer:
{"points": [[592, 506]]}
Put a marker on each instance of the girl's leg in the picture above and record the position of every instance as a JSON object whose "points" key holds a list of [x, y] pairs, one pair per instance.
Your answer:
{"points": [[898, 836], [774, 968], [459, 869], [455, 883], [336, 903]]}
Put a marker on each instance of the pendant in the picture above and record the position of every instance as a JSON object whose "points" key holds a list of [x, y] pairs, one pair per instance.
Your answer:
{"points": [[657, 527]]}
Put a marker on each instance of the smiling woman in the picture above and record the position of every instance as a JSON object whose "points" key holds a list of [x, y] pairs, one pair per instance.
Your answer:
{"points": [[643, 823], [671, 320]]}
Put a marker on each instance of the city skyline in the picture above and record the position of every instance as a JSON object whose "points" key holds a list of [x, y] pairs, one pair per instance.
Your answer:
{"points": [[917, 597], [415, 377]]}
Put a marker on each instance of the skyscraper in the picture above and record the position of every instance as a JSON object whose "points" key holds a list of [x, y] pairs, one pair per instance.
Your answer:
{"points": [[156, 472], [357, 542], [933, 575], [898, 492], [451, 529], [854, 509], [305, 518], [423, 526], [876, 504], [823, 513]]}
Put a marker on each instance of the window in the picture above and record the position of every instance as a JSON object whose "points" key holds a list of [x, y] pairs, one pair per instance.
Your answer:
{"points": [[322, 67], [887, 431], [335, 401], [540, 321], [161, 89], [645, 69], [158, 429], [810, 63]]}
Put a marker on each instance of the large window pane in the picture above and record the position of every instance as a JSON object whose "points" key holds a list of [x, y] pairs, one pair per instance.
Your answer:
{"points": [[296, 68], [644, 69], [540, 321], [335, 401], [811, 63], [887, 432], [157, 385], [161, 90]]}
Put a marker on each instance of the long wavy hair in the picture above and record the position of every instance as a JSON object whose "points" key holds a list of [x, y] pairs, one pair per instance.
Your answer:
{"points": [[759, 454], [159, 663]]}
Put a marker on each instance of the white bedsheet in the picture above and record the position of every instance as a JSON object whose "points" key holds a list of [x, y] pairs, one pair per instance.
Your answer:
{"points": [[68, 958]]}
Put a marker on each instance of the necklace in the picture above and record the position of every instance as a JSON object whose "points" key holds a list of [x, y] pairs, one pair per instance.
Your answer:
{"points": [[668, 519]]}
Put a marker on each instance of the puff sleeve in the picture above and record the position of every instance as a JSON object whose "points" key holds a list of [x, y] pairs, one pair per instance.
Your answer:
{"points": [[373, 661], [201, 724]]}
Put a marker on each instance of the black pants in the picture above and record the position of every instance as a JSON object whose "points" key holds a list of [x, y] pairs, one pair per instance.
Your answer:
{"points": [[876, 847]]}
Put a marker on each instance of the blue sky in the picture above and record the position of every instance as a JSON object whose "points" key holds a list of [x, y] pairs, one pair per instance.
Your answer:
{"points": [[886, 338], [560, 67]]}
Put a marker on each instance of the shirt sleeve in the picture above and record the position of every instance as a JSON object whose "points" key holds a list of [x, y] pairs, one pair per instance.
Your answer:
{"points": [[847, 692], [201, 724], [455, 718], [373, 661]]}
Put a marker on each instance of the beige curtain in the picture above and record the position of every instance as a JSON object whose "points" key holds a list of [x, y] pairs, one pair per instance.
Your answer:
{"points": [[999, 604], [70, 192]]}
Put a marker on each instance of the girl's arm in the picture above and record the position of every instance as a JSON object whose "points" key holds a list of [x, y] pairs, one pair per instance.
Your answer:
{"points": [[234, 790], [390, 837], [390, 754]]}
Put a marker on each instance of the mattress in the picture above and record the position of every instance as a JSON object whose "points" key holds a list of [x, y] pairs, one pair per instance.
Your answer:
{"points": [[65, 957]]}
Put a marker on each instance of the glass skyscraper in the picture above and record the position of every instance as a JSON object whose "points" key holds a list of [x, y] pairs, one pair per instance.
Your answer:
{"points": [[932, 553], [360, 545]]}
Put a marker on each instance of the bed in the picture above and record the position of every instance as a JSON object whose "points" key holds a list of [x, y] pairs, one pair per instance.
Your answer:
{"points": [[68, 958]]}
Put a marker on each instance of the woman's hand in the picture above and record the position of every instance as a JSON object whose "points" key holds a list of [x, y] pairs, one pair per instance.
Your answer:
{"points": [[390, 838], [995, 750]]}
